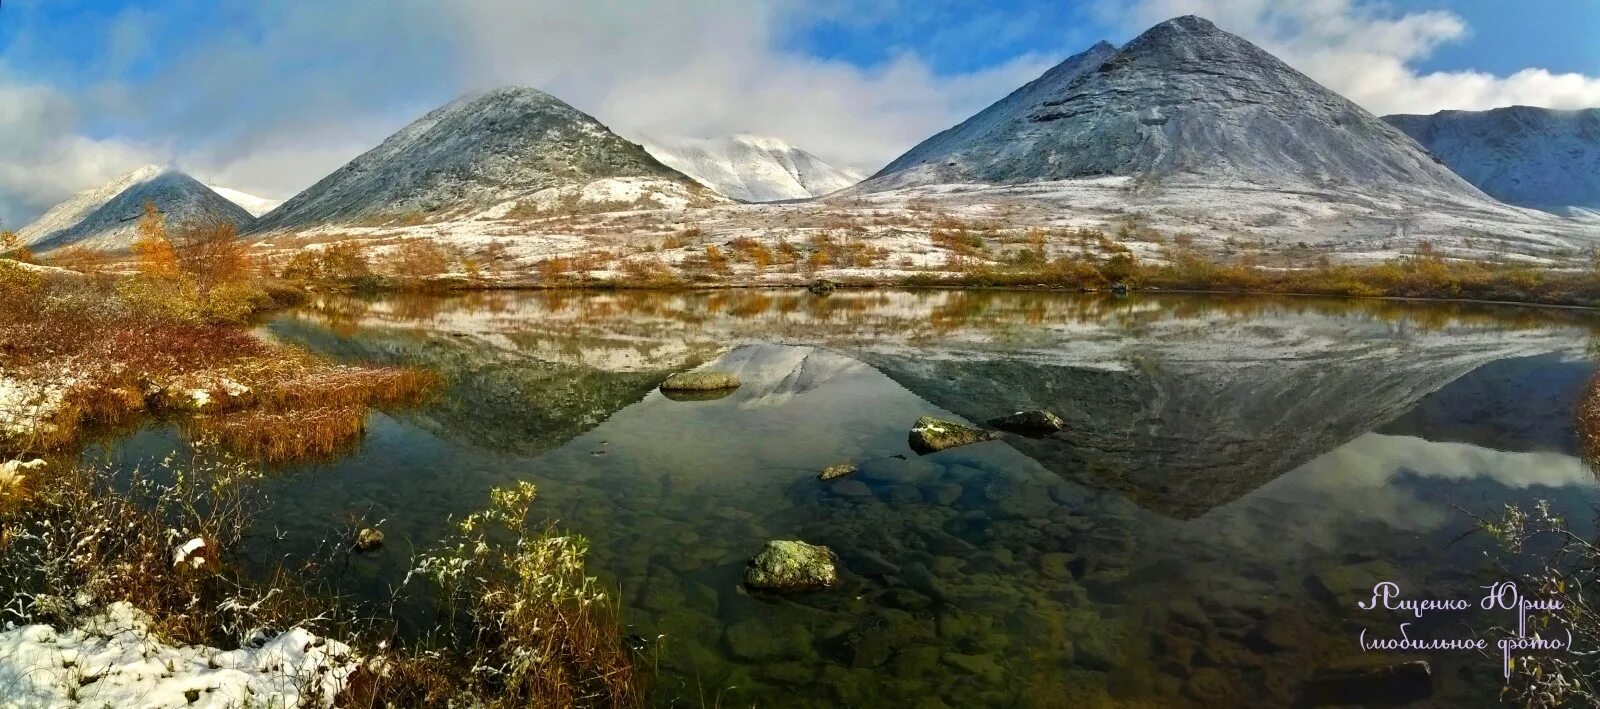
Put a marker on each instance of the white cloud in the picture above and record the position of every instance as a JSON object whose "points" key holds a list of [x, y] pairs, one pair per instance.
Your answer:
{"points": [[1366, 52], [42, 156]]}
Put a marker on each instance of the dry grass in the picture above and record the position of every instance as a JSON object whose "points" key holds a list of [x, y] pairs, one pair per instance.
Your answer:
{"points": [[108, 354]]}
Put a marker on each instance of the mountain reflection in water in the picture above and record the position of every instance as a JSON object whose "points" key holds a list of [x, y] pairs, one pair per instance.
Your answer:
{"points": [[1233, 470]]}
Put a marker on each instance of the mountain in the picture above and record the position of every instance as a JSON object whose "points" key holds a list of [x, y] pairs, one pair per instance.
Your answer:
{"points": [[1534, 157], [1185, 102], [256, 206], [500, 148], [106, 217], [753, 168]]}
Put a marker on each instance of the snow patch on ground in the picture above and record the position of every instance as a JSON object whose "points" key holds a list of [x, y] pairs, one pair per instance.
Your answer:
{"points": [[112, 659]]}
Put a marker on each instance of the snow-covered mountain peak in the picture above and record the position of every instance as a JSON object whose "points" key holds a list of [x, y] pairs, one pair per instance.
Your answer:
{"points": [[753, 168], [506, 145], [256, 206], [1184, 102], [1535, 157], [105, 217]]}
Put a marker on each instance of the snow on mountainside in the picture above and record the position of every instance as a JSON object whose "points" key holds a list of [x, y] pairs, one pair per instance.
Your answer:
{"points": [[1535, 157], [753, 168], [1185, 102], [256, 206], [510, 145], [106, 217]]}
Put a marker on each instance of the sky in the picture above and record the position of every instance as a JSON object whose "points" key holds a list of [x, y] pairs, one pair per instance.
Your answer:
{"points": [[269, 97]]}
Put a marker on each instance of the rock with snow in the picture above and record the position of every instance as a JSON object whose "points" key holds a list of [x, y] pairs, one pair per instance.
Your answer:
{"points": [[1185, 102], [107, 217], [256, 206], [506, 147], [753, 168], [113, 659], [1535, 157]]}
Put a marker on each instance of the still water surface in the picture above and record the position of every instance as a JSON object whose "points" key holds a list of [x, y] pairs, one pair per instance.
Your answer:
{"points": [[1234, 474]]}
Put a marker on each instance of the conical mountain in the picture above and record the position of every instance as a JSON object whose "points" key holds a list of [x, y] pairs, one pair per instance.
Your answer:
{"points": [[1185, 102], [106, 217], [1535, 157], [754, 168], [507, 145]]}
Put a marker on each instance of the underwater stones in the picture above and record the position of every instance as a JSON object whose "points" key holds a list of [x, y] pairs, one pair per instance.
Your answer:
{"points": [[1209, 687], [1032, 423], [941, 493], [706, 380], [1096, 643], [931, 435], [368, 539], [1056, 565], [1368, 682], [915, 661], [790, 565], [1353, 582], [761, 640], [903, 495], [837, 471], [983, 666], [822, 286], [850, 488]]}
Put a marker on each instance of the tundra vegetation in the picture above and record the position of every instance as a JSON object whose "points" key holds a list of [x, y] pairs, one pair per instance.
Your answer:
{"points": [[84, 349]]}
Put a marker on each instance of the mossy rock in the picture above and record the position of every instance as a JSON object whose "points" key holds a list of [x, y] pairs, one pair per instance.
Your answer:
{"points": [[837, 471], [931, 435], [1034, 423], [703, 380], [789, 565]]}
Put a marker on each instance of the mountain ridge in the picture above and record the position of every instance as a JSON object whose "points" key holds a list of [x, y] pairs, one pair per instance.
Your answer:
{"points": [[105, 217], [480, 151], [1543, 158], [753, 168]]}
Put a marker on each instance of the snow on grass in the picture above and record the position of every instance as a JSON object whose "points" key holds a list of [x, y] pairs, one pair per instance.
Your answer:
{"points": [[111, 659]]}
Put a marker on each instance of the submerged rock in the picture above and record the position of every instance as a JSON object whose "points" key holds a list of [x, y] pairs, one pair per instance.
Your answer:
{"points": [[931, 435], [697, 394], [1036, 421], [368, 539], [1366, 683], [789, 565], [822, 286], [837, 471], [706, 380]]}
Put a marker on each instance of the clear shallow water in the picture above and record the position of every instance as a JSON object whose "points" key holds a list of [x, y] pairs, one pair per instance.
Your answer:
{"points": [[1234, 472]]}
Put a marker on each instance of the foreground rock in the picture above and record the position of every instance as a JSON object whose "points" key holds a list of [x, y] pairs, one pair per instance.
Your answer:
{"points": [[931, 435], [822, 286], [700, 381], [788, 565], [837, 471], [369, 539], [1367, 683], [1029, 422]]}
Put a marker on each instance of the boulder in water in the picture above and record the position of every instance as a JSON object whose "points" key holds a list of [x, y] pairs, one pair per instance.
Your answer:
{"points": [[931, 435], [704, 380], [789, 565], [1033, 422], [368, 539], [837, 471], [822, 286]]}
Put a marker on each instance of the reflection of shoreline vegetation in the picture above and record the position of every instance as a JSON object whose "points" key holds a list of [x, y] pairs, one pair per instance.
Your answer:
{"points": [[1567, 570], [523, 624]]}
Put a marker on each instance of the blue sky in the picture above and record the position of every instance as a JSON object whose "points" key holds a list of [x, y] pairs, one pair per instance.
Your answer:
{"points": [[270, 96]]}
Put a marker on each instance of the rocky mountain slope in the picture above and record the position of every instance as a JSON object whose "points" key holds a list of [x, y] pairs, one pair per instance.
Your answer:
{"points": [[256, 206], [508, 146], [1183, 102], [1535, 157], [106, 217], [753, 168]]}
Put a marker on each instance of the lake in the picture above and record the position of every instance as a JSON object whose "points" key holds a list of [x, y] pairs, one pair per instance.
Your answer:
{"points": [[1235, 472]]}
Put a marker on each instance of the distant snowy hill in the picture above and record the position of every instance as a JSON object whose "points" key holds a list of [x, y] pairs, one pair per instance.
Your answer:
{"points": [[256, 206], [1535, 157], [1185, 102], [753, 168], [106, 217], [510, 145]]}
